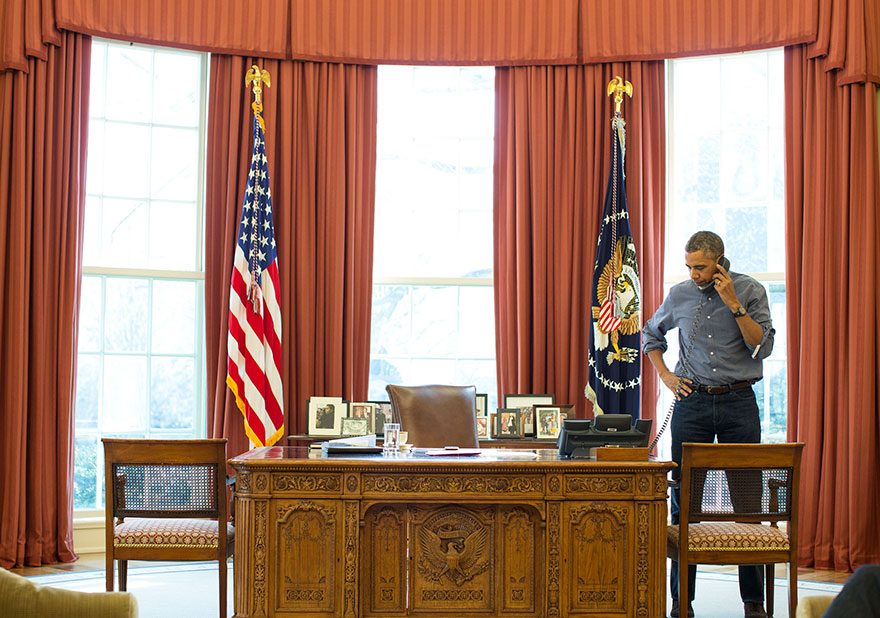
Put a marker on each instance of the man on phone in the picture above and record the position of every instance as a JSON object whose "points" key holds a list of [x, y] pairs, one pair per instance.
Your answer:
{"points": [[724, 334]]}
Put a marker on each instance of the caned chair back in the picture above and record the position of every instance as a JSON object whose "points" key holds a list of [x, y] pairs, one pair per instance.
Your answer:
{"points": [[166, 500], [733, 499], [437, 415]]}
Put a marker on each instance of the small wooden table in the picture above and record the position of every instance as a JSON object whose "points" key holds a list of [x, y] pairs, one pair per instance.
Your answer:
{"points": [[518, 533]]}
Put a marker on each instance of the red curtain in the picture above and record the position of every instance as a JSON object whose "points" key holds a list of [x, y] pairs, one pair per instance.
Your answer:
{"points": [[321, 145], [43, 128], [833, 265], [552, 155]]}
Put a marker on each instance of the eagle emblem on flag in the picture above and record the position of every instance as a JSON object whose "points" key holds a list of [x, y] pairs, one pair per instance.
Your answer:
{"points": [[618, 293]]}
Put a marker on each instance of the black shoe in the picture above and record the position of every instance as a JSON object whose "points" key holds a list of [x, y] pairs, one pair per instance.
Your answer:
{"points": [[754, 610], [673, 613]]}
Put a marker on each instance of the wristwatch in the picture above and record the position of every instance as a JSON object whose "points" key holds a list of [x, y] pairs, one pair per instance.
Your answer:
{"points": [[740, 312]]}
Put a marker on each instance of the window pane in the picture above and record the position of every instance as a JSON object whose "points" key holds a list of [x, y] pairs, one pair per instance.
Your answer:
{"points": [[174, 317], [90, 315], [126, 158], [178, 99], [173, 235], [86, 472], [123, 242], [125, 394], [174, 164], [172, 393], [88, 388], [129, 83], [126, 328]]}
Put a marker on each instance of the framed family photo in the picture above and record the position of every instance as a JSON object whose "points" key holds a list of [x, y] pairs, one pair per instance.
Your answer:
{"points": [[548, 421], [508, 423], [325, 415], [527, 404], [381, 414], [363, 410]]}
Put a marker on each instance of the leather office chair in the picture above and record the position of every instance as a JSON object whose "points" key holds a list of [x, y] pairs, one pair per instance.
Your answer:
{"points": [[174, 492], [728, 491], [437, 415]]}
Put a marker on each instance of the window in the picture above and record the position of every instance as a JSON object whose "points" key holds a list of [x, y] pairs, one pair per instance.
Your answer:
{"points": [[726, 158], [433, 307], [140, 369]]}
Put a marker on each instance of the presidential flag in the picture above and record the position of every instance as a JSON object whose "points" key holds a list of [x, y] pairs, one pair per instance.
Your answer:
{"points": [[614, 372], [254, 345]]}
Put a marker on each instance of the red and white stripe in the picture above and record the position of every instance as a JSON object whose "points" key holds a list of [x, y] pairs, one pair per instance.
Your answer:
{"points": [[254, 347]]}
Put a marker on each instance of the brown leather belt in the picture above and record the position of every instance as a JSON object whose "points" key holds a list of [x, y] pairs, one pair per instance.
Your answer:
{"points": [[723, 388]]}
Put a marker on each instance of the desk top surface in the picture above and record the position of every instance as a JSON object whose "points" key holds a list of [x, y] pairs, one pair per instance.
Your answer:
{"points": [[273, 456]]}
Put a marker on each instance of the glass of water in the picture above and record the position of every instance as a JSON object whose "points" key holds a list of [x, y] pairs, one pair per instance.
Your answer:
{"points": [[391, 446]]}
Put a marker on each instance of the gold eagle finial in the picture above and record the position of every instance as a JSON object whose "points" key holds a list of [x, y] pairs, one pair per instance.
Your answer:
{"points": [[618, 87], [258, 78]]}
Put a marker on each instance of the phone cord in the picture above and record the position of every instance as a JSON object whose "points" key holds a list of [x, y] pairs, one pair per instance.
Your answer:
{"points": [[685, 366]]}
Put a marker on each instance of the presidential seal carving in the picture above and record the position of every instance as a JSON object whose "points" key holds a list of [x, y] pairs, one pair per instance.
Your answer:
{"points": [[454, 546]]}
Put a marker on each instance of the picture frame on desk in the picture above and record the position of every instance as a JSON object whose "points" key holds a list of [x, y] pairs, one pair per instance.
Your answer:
{"points": [[382, 414], [355, 426], [527, 403], [547, 421], [508, 423], [363, 409], [565, 411], [482, 404], [325, 415], [483, 428]]}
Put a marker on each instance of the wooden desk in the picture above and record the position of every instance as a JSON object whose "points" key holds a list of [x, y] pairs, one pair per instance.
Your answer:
{"points": [[508, 533]]}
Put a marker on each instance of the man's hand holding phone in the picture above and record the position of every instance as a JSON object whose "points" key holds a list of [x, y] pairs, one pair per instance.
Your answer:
{"points": [[724, 287]]}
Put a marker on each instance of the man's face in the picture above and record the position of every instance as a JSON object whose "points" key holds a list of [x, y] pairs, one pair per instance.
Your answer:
{"points": [[701, 266]]}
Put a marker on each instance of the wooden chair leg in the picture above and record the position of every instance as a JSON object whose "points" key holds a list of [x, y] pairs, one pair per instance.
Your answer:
{"points": [[683, 591], [108, 570], [123, 575], [222, 570], [792, 587], [769, 582]]}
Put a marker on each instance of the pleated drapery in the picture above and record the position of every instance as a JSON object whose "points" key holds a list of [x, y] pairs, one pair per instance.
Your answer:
{"points": [[552, 155], [832, 268], [43, 129], [321, 145]]}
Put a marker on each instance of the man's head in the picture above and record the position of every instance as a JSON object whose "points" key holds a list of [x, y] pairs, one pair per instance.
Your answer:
{"points": [[702, 251]]}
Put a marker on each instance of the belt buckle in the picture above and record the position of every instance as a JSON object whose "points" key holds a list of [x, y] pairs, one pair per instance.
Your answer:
{"points": [[718, 390]]}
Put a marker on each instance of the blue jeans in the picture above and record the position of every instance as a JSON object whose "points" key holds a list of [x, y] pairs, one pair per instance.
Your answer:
{"points": [[701, 417], [860, 596]]}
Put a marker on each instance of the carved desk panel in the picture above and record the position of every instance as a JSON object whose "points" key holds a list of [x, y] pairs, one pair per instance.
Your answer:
{"points": [[519, 534]]}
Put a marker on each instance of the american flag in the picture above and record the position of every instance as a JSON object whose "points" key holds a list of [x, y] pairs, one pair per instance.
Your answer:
{"points": [[254, 364]]}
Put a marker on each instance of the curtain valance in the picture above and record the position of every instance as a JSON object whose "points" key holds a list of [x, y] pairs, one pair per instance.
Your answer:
{"points": [[488, 32]]}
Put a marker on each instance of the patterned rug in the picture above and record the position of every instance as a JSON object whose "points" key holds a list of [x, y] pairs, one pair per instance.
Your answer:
{"points": [[189, 590]]}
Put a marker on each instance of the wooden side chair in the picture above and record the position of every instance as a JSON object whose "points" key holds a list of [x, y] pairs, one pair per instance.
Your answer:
{"points": [[166, 500], [733, 497], [437, 415]]}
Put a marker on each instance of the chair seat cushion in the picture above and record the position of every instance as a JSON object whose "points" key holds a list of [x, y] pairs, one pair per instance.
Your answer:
{"points": [[729, 536], [178, 533]]}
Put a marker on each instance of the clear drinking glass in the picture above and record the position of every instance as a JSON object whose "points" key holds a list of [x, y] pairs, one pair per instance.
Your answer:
{"points": [[391, 446]]}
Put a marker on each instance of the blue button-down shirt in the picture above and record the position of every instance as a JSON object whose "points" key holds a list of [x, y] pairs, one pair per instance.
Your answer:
{"points": [[719, 354]]}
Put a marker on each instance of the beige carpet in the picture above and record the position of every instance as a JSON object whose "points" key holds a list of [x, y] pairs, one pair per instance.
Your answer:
{"points": [[189, 590]]}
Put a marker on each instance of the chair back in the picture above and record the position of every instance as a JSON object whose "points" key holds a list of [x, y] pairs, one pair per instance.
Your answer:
{"points": [[166, 478], [435, 416], [747, 483]]}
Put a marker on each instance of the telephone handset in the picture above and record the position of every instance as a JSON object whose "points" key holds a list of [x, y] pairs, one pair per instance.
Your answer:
{"points": [[725, 264]]}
